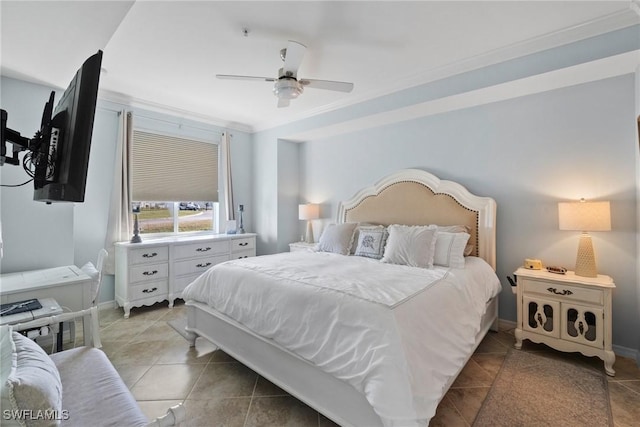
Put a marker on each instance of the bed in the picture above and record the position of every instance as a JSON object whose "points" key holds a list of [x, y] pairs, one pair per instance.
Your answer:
{"points": [[364, 342]]}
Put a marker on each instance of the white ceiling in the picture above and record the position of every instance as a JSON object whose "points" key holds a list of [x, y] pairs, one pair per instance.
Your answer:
{"points": [[164, 54]]}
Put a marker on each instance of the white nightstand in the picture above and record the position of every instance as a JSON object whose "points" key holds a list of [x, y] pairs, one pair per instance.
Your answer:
{"points": [[302, 246], [566, 312]]}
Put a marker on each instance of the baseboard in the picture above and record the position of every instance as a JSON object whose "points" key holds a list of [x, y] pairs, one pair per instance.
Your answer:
{"points": [[504, 324], [627, 352], [107, 305]]}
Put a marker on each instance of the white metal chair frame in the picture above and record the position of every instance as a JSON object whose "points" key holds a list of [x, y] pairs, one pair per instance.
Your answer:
{"points": [[175, 414]]}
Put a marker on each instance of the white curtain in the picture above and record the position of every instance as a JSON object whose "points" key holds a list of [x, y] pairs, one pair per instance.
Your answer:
{"points": [[225, 152], [119, 226]]}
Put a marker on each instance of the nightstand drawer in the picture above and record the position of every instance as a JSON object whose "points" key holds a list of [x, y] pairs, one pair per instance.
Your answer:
{"points": [[574, 293]]}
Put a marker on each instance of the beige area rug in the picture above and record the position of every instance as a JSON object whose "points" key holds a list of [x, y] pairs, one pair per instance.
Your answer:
{"points": [[179, 325], [533, 390]]}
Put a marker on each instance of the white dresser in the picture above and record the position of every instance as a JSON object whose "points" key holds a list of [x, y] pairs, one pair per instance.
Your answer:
{"points": [[566, 312], [160, 269]]}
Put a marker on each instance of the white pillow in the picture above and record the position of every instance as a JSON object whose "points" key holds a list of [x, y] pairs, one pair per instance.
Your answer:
{"points": [[33, 382], [371, 241], [450, 249], [468, 250], [411, 245], [337, 238]]}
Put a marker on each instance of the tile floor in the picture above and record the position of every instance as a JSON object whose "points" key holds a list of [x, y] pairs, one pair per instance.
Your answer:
{"points": [[161, 370]]}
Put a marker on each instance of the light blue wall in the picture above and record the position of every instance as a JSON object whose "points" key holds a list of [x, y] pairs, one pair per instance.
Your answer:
{"points": [[36, 235], [528, 153], [25, 223]]}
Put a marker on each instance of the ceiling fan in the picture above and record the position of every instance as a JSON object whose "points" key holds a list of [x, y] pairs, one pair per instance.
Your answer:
{"points": [[287, 86]]}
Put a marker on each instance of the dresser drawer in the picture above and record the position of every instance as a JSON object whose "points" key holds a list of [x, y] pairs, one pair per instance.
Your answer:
{"points": [[181, 282], [152, 254], [151, 289], [574, 293], [197, 265], [148, 272], [206, 248], [248, 253], [243, 244]]}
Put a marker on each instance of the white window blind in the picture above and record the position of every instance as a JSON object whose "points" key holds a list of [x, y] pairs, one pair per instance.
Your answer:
{"points": [[167, 168]]}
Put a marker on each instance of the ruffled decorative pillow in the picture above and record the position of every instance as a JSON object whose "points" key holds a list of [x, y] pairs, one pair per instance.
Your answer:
{"points": [[411, 245]]}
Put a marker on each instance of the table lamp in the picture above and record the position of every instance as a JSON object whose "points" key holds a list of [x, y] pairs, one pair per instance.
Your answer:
{"points": [[136, 229], [308, 212], [585, 216]]}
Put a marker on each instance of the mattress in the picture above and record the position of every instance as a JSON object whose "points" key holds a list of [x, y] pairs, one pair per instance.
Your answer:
{"points": [[397, 334]]}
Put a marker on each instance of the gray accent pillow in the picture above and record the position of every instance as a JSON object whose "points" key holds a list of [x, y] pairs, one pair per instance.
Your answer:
{"points": [[337, 238], [371, 241]]}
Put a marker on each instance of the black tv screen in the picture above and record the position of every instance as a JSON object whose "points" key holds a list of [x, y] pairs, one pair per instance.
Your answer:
{"points": [[67, 138]]}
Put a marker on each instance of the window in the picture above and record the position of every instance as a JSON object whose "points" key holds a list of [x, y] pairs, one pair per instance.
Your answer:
{"points": [[174, 183]]}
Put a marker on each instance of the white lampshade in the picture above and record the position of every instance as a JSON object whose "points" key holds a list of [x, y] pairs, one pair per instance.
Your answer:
{"points": [[585, 216], [309, 211]]}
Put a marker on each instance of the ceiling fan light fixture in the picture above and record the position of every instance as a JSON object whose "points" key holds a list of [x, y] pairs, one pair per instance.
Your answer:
{"points": [[287, 89]]}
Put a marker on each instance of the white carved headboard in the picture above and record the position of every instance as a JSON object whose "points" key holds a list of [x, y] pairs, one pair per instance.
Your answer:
{"points": [[416, 197]]}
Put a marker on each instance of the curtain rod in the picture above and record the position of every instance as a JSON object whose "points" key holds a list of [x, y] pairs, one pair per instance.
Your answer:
{"points": [[180, 125]]}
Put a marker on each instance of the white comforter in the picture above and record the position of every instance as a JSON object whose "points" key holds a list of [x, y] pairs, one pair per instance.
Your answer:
{"points": [[396, 333]]}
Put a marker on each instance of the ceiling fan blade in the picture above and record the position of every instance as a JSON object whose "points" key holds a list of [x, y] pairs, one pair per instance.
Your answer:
{"points": [[283, 102], [234, 77], [327, 85], [293, 58]]}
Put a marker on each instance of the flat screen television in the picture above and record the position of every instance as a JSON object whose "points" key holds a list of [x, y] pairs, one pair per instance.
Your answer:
{"points": [[66, 142], [58, 154]]}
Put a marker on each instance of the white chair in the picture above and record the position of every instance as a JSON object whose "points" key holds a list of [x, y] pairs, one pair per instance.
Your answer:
{"points": [[102, 256], [95, 272]]}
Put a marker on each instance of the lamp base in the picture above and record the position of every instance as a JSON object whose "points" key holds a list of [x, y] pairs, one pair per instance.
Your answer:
{"points": [[586, 259], [136, 231], [309, 238]]}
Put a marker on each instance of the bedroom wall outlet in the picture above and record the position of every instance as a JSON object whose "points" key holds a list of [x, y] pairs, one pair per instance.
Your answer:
{"points": [[533, 264]]}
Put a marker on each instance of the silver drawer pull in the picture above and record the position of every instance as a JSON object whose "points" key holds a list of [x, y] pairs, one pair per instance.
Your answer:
{"points": [[246, 256], [203, 249], [148, 291], [151, 255], [150, 273], [243, 244], [563, 292], [203, 265]]}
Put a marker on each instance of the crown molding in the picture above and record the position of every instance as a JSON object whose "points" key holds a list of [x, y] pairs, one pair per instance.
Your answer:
{"points": [[612, 66], [122, 99], [611, 22]]}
